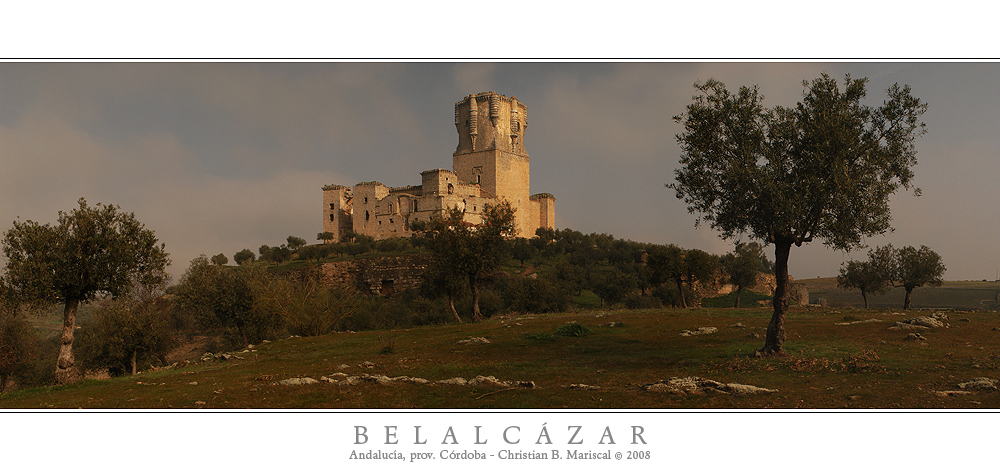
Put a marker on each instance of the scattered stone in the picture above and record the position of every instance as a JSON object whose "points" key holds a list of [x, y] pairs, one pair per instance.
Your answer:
{"points": [[337, 375], [199, 403], [737, 325], [693, 385], [953, 393], [936, 320], [297, 381], [343, 366], [487, 381], [584, 387], [407, 379], [473, 341], [980, 384], [193, 383], [858, 322], [753, 335], [700, 331], [964, 320], [457, 380], [367, 364], [914, 336]]}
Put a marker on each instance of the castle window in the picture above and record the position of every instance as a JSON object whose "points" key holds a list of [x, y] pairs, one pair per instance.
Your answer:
{"points": [[366, 199], [390, 208], [331, 217], [333, 206], [414, 206], [451, 189], [367, 215], [390, 220]]}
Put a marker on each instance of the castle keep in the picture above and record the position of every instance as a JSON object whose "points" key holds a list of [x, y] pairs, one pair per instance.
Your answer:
{"points": [[489, 165]]}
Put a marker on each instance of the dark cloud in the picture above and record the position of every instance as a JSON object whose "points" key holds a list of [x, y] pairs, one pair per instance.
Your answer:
{"points": [[216, 157]]}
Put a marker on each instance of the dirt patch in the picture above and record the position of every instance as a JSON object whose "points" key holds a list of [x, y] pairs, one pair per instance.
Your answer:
{"points": [[190, 350]]}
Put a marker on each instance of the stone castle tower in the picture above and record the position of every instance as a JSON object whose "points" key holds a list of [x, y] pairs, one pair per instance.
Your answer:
{"points": [[490, 164]]}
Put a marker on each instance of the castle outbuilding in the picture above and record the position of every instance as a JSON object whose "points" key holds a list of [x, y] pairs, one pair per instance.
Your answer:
{"points": [[490, 164]]}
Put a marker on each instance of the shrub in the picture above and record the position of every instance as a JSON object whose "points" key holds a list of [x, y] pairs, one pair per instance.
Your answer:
{"points": [[307, 307], [572, 329], [18, 345], [123, 335], [639, 301]]}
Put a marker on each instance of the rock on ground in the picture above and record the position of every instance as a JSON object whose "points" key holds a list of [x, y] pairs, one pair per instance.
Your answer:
{"points": [[473, 341], [696, 385], [700, 331], [980, 384], [296, 381]]}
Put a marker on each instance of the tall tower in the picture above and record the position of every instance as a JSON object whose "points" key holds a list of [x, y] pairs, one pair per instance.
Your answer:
{"points": [[491, 153]]}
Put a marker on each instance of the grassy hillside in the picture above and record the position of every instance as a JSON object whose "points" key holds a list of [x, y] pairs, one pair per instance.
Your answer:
{"points": [[831, 363]]}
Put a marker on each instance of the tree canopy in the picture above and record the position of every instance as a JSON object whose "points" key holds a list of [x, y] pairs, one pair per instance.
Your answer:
{"points": [[90, 252], [462, 249], [822, 170]]}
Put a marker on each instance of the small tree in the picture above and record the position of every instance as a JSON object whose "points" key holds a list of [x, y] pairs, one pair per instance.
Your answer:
{"points": [[786, 176], [244, 256], [325, 237], [124, 333], [915, 268], [863, 276], [225, 298], [220, 260], [91, 252], [473, 251], [743, 265], [295, 242]]}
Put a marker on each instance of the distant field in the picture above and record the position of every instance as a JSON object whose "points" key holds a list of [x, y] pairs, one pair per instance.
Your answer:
{"points": [[968, 295]]}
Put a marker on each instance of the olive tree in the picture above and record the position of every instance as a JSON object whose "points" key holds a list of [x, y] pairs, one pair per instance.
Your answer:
{"points": [[824, 169], [916, 267], [742, 266], [90, 252], [471, 251]]}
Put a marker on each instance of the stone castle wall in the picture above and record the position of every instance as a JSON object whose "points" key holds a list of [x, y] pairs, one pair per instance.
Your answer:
{"points": [[490, 164]]}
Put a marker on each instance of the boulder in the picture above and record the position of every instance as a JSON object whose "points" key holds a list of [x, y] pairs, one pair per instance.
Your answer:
{"points": [[980, 384]]}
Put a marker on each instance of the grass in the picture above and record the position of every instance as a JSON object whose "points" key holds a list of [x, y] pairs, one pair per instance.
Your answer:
{"points": [[863, 365]]}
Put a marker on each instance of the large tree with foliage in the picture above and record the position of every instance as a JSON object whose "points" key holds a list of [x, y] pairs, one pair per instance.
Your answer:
{"points": [[91, 252], [786, 176], [472, 251]]}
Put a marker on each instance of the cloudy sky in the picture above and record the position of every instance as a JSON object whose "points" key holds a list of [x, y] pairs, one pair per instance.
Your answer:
{"points": [[217, 157]]}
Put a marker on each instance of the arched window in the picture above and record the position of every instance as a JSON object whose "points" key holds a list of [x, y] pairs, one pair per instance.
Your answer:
{"points": [[451, 189]]}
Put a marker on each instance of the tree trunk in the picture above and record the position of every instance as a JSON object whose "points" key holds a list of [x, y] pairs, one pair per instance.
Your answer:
{"points": [[864, 296], [133, 363], [473, 283], [906, 301], [776, 328], [66, 372], [739, 289], [680, 290], [451, 303]]}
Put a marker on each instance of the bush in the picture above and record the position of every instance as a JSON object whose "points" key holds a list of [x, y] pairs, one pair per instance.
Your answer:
{"points": [[18, 345], [524, 295], [307, 306], [639, 301], [123, 335], [572, 329], [227, 299]]}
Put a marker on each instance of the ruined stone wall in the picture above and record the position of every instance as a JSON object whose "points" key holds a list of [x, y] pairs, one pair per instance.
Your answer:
{"points": [[376, 275]]}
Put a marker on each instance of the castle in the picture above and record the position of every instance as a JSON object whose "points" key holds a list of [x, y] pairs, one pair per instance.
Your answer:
{"points": [[489, 165]]}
